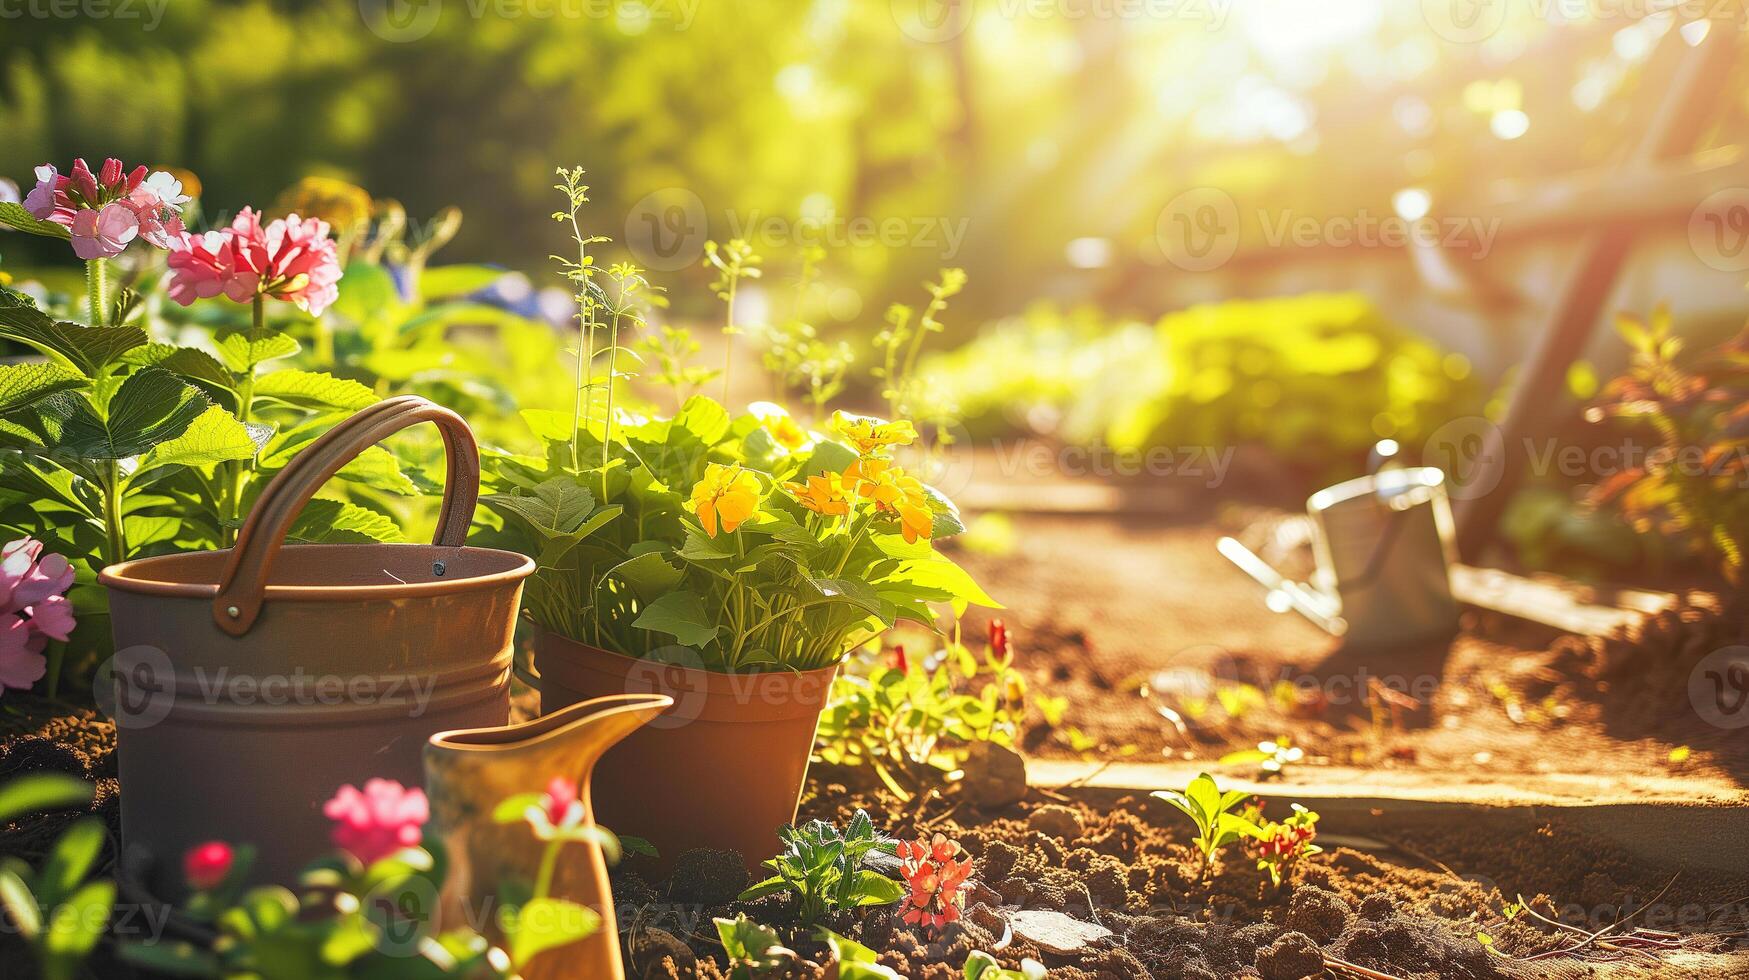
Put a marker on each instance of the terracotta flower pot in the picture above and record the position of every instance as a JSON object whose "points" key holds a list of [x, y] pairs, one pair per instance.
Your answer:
{"points": [[723, 768], [250, 684]]}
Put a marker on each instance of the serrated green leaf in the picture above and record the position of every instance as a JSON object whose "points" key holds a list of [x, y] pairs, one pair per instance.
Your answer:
{"points": [[215, 437], [189, 362], [23, 385], [554, 507], [14, 216], [378, 468], [150, 407], [314, 389], [241, 354], [333, 521], [87, 350]]}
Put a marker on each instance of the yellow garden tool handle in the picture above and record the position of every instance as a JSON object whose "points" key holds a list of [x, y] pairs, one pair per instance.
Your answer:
{"points": [[243, 585]]}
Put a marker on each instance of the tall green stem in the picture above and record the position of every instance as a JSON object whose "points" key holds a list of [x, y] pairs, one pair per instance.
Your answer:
{"points": [[97, 290], [728, 339], [115, 532], [585, 341], [246, 413], [607, 428]]}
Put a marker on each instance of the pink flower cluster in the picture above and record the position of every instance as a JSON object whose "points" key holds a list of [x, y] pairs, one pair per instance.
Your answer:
{"points": [[107, 210], [33, 610], [384, 818], [291, 259]]}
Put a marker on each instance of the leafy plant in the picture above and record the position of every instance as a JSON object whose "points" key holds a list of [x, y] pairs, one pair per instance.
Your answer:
{"points": [[1218, 821], [557, 817], [908, 715], [753, 949], [1280, 845], [733, 262], [1688, 487], [58, 910], [980, 965], [854, 961], [823, 869]]}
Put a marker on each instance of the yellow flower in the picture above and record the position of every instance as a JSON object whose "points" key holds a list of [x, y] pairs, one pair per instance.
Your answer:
{"points": [[822, 495], [728, 494], [345, 206], [778, 423], [894, 492], [869, 434]]}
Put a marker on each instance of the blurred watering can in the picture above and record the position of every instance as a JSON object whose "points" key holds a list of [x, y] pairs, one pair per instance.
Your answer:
{"points": [[469, 773], [1383, 551]]}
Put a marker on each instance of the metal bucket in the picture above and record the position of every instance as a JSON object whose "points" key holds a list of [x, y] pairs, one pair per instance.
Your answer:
{"points": [[250, 684]]}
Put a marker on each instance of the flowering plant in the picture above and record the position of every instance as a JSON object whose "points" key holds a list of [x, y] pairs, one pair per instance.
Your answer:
{"points": [[1280, 845], [33, 610], [936, 870], [750, 539]]}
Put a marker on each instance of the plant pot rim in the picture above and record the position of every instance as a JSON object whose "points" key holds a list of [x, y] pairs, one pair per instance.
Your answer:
{"points": [[140, 576], [544, 633]]}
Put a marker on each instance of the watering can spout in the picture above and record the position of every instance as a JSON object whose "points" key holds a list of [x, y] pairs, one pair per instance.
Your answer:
{"points": [[471, 772]]}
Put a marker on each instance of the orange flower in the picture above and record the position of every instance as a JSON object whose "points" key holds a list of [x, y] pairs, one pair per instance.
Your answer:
{"points": [[728, 494], [893, 492], [869, 434], [822, 494]]}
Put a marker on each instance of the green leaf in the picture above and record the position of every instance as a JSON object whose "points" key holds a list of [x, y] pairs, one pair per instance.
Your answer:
{"points": [[216, 436], [856, 961], [555, 507], [874, 888], [944, 514], [14, 216], [39, 793], [378, 468], [70, 860], [150, 407], [514, 809], [332, 521], [21, 905], [548, 923], [314, 390], [770, 886], [87, 350], [649, 575], [189, 362], [75, 925], [241, 354], [827, 457], [23, 385], [942, 574], [176, 959], [680, 614], [704, 418]]}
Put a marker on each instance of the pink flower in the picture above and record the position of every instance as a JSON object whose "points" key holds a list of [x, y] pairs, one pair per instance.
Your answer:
{"points": [[386, 817], [107, 210], [32, 610], [206, 866], [292, 259], [561, 805], [204, 266]]}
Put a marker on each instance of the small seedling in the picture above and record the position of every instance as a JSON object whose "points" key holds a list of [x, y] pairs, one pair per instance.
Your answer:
{"points": [[1218, 822], [824, 869], [753, 949], [1270, 758], [1280, 845], [982, 966], [854, 961]]}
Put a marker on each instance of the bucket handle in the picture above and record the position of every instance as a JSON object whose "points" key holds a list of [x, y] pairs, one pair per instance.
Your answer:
{"points": [[242, 587]]}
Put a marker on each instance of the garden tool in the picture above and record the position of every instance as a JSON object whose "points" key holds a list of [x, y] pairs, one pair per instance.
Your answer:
{"points": [[1382, 546]]}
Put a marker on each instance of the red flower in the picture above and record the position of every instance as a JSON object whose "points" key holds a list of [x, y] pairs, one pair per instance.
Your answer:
{"points": [[560, 797], [206, 866], [898, 660], [999, 646], [937, 875]]}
